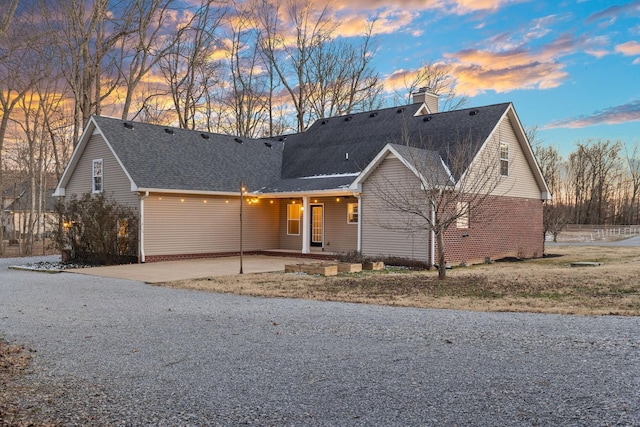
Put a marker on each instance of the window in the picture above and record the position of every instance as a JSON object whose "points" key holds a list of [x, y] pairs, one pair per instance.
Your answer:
{"points": [[504, 159], [352, 213], [294, 213], [463, 219], [123, 228], [97, 176]]}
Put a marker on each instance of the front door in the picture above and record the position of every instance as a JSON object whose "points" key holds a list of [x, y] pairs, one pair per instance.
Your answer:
{"points": [[317, 225]]}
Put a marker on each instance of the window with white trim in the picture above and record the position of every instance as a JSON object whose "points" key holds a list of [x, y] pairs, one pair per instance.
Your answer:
{"points": [[352, 213], [504, 159], [97, 174], [294, 215], [463, 219]]}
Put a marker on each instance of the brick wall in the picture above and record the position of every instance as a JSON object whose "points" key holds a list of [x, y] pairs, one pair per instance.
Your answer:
{"points": [[504, 227]]}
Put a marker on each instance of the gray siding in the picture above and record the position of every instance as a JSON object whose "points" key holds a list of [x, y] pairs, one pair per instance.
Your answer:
{"points": [[116, 184], [378, 219], [521, 181], [293, 243], [187, 225], [339, 236]]}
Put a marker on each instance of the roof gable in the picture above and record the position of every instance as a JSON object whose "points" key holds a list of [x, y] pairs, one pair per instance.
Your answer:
{"points": [[166, 158], [347, 144]]}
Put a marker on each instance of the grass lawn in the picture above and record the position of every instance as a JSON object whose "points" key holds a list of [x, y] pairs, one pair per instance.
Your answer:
{"points": [[547, 285]]}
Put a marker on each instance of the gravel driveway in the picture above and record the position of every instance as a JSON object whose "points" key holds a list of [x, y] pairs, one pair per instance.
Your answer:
{"points": [[118, 352]]}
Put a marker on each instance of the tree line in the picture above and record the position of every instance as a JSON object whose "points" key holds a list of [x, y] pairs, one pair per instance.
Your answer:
{"points": [[598, 183], [250, 68]]}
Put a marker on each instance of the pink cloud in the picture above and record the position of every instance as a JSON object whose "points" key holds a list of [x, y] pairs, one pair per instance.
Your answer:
{"points": [[631, 48], [478, 70], [611, 116]]}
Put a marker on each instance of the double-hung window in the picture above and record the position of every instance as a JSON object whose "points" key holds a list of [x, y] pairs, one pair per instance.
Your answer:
{"points": [[504, 159], [352, 213], [97, 174], [294, 214]]}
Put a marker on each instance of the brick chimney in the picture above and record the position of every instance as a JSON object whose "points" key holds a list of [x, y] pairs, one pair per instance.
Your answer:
{"points": [[425, 95]]}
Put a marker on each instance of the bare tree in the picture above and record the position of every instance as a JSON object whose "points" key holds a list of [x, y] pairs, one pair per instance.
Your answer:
{"points": [[85, 36], [19, 70], [447, 189], [633, 167], [602, 158], [187, 66], [289, 49], [146, 44], [6, 15], [340, 77], [246, 98], [437, 77]]}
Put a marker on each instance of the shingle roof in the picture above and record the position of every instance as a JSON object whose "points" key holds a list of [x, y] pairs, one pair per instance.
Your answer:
{"points": [[21, 196], [347, 144], [427, 163], [318, 183], [185, 160], [334, 150]]}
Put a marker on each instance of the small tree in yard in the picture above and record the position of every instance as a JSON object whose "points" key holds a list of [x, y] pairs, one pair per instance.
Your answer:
{"points": [[96, 230], [444, 186]]}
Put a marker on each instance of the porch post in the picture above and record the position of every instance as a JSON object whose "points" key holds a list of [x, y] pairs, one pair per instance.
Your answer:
{"points": [[306, 226], [359, 244]]}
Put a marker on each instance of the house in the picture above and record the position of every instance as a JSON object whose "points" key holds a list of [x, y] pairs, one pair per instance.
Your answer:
{"points": [[308, 193], [16, 210]]}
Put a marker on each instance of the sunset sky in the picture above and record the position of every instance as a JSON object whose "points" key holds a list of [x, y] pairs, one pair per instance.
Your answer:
{"points": [[571, 68]]}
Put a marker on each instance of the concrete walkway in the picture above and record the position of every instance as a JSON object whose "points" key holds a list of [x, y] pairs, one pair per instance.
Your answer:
{"points": [[167, 271]]}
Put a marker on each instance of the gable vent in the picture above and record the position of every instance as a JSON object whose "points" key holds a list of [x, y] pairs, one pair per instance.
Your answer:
{"points": [[268, 144], [238, 140], [204, 136], [373, 114], [427, 119], [169, 131], [128, 125], [346, 119], [473, 112]]}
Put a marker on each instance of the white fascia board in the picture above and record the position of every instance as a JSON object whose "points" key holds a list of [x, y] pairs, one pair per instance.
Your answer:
{"points": [[134, 187], [191, 192], [335, 175], [75, 158], [423, 110], [528, 152], [373, 164], [320, 193]]}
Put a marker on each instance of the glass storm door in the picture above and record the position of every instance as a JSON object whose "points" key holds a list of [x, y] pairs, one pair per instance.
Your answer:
{"points": [[317, 221]]}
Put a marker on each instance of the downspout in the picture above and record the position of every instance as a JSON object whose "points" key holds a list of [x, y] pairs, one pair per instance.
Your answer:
{"points": [[432, 251], [359, 245], [142, 197]]}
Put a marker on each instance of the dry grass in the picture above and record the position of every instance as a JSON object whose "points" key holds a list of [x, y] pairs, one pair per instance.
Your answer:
{"points": [[548, 285]]}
